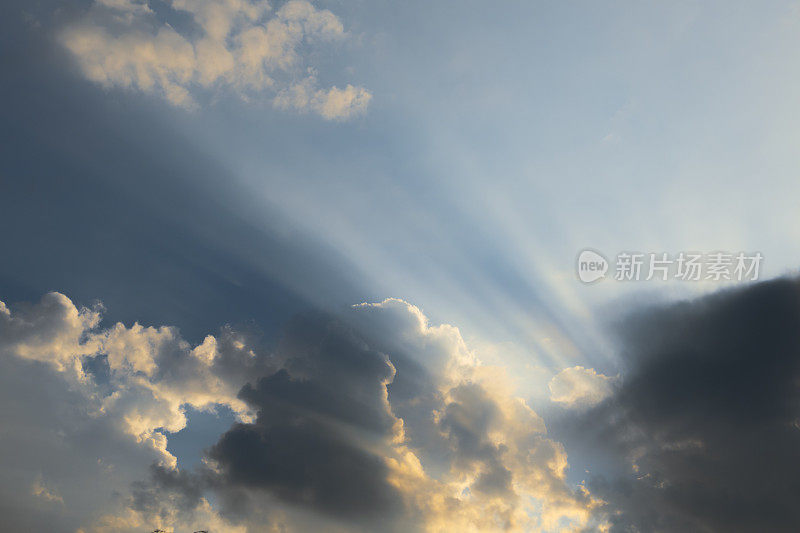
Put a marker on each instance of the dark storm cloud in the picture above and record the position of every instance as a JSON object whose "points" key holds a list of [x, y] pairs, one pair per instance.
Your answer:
{"points": [[310, 444], [709, 412]]}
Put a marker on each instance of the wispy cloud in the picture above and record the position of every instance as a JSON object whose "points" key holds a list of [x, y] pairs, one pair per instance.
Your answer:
{"points": [[235, 45], [41, 490]]}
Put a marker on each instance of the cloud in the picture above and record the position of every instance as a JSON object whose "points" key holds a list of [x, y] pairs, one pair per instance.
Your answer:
{"points": [[332, 103], [237, 45], [371, 417], [380, 415], [580, 387], [87, 411], [322, 422], [140, 377], [55, 441], [41, 490], [704, 427]]}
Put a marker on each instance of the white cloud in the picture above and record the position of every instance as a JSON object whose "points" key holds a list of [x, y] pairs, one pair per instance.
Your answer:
{"points": [[580, 387], [79, 439], [332, 103], [49, 331], [242, 46], [154, 373]]}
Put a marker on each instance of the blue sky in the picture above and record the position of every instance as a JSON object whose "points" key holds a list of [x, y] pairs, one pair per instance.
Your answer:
{"points": [[454, 156]]}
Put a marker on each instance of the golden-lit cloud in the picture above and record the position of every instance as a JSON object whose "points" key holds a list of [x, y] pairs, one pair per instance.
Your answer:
{"points": [[580, 387], [386, 416], [243, 47], [155, 374]]}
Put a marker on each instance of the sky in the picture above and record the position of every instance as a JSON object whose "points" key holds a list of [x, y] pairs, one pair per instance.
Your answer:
{"points": [[303, 266]]}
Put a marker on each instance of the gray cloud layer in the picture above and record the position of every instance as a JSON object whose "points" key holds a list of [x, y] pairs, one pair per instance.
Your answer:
{"points": [[706, 422]]}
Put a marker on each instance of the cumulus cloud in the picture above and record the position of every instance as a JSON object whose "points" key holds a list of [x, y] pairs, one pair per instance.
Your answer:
{"points": [[580, 387], [704, 427], [322, 422], [237, 45], [142, 378], [372, 417], [415, 432]]}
